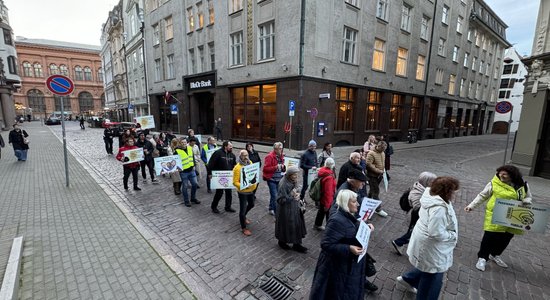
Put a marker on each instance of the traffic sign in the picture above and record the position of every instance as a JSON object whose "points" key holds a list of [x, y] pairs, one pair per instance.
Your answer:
{"points": [[291, 108], [174, 109], [60, 85], [313, 113], [503, 107]]}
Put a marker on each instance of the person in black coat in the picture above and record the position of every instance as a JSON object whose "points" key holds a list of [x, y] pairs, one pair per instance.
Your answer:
{"points": [[17, 139], [308, 161], [148, 149], [338, 274], [222, 160], [108, 140], [254, 157], [352, 163]]}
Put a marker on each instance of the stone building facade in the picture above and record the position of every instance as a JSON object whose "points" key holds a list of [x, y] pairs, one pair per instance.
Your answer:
{"points": [[9, 73]]}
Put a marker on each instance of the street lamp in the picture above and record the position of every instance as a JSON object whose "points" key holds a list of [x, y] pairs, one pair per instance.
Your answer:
{"points": [[142, 30]]}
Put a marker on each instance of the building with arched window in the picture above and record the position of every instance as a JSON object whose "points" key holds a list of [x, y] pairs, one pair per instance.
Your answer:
{"points": [[78, 62]]}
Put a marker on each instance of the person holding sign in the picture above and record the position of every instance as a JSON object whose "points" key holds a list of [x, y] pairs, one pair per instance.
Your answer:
{"points": [[339, 274], [375, 171], [130, 168], [246, 195], [188, 173], [210, 144], [433, 240], [507, 184], [222, 160]]}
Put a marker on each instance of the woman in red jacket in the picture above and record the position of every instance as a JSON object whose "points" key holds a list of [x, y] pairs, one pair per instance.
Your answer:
{"points": [[328, 187], [131, 168]]}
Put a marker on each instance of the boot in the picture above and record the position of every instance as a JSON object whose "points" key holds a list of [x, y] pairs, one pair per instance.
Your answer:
{"points": [[177, 188]]}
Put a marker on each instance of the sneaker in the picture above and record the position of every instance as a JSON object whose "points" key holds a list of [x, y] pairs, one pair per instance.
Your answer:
{"points": [[369, 286], [247, 232], [155, 181], [382, 213], [320, 228], [272, 212], [231, 210], [498, 260], [406, 285], [195, 201], [398, 249], [481, 262]]}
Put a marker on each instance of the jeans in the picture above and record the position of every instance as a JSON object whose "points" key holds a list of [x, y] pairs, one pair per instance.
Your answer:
{"points": [[494, 243], [191, 177], [273, 186], [127, 172], [246, 203], [218, 196], [150, 165], [21, 154], [428, 285]]}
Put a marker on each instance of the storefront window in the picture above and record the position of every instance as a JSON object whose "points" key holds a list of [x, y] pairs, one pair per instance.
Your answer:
{"points": [[344, 108], [254, 119], [414, 119], [432, 113], [373, 111], [396, 111]]}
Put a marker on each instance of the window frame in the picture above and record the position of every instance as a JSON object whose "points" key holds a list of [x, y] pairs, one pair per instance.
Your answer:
{"points": [[349, 45], [421, 67], [406, 14], [236, 49], [402, 62], [348, 101], [168, 28], [266, 41], [379, 55], [382, 7]]}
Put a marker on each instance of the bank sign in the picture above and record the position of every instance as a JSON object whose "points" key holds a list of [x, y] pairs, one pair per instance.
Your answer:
{"points": [[203, 82]]}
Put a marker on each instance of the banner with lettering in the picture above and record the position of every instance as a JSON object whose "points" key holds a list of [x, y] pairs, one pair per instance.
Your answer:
{"points": [[511, 213], [222, 180], [167, 164]]}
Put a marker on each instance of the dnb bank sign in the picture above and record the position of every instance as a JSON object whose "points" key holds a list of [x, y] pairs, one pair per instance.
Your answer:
{"points": [[202, 82]]}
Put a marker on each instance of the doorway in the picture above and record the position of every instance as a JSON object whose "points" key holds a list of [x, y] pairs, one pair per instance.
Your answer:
{"points": [[205, 121], [542, 168]]}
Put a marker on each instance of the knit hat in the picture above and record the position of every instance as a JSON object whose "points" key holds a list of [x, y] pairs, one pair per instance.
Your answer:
{"points": [[292, 170], [312, 143], [357, 175]]}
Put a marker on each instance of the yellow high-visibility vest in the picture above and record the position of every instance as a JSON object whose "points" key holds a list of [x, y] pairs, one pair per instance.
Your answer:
{"points": [[186, 157]]}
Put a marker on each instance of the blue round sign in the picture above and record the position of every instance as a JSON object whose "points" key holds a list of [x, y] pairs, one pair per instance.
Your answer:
{"points": [[503, 107], [60, 85]]}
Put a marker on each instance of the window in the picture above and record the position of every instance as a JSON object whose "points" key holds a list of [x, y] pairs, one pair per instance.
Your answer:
{"points": [[466, 54], [459, 24], [12, 64], [87, 74], [481, 67], [168, 29], [64, 70], [382, 9], [85, 102], [507, 83], [470, 34], [477, 36], [211, 15], [510, 69], [66, 103], [504, 94], [372, 122], [349, 41], [54, 69], [235, 6], [157, 69], [35, 98], [352, 2], [254, 112], [406, 12], [462, 91], [192, 61], [100, 75], [433, 107], [471, 90], [170, 72], [425, 28], [420, 67], [200, 15], [27, 69], [455, 53], [156, 34], [439, 76], [396, 111], [202, 63], [212, 56], [496, 74], [487, 69], [414, 119], [401, 67], [441, 47], [378, 58], [78, 75], [452, 84], [8, 40], [266, 41], [484, 42], [445, 15], [190, 20], [345, 97], [236, 40], [478, 91], [474, 59], [38, 70]]}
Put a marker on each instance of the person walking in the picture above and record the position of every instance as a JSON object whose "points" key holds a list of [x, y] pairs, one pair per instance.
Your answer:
{"points": [[161, 144], [508, 183], [326, 153], [433, 240], [148, 161], [246, 195], [290, 226], [254, 157], [193, 142], [328, 188], [18, 139], [2, 145], [129, 168], [108, 140], [222, 160], [81, 123], [175, 176], [425, 180], [352, 163], [308, 161], [274, 168], [218, 127], [210, 144], [185, 152], [338, 273], [375, 172]]}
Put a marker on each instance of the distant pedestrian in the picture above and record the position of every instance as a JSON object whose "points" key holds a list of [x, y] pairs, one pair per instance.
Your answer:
{"points": [[274, 168], [370, 143], [218, 128], [82, 123], [188, 172], [326, 153], [130, 168], [108, 140], [352, 163], [2, 145], [210, 144], [148, 149], [375, 172], [290, 226], [222, 160], [18, 139], [328, 188], [308, 161], [508, 183], [246, 195], [433, 240], [388, 152]]}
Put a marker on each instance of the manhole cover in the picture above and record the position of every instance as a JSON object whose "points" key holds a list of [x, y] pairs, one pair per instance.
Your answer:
{"points": [[276, 288]]}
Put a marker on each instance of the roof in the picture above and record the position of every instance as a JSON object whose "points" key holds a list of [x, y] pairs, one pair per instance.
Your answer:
{"points": [[56, 44]]}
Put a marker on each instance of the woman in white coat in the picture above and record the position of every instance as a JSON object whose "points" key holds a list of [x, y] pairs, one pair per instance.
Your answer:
{"points": [[433, 240]]}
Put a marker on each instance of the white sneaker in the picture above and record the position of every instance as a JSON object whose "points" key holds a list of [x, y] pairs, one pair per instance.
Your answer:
{"points": [[382, 213], [481, 262], [406, 285], [498, 260]]}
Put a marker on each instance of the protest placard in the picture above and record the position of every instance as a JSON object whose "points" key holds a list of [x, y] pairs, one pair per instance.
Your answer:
{"points": [[134, 155], [385, 179], [249, 175], [368, 206], [292, 162], [311, 175], [167, 164], [363, 236], [511, 213], [222, 180], [209, 153], [146, 122]]}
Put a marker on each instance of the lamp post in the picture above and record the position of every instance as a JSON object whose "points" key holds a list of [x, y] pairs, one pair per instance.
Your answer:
{"points": [[142, 30]]}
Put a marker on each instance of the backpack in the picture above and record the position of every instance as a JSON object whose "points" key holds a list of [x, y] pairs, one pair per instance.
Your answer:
{"points": [[404, 201], [315, 190]]}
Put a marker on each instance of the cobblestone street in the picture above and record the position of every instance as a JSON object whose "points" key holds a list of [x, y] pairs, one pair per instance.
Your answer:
{"points": [[215, 260]]}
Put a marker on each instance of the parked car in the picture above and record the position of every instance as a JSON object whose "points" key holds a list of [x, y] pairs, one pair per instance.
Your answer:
{"points": [[119, 128], [53, 121], [107, 123]]}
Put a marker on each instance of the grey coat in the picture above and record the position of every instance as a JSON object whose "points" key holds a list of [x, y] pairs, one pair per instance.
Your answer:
{"points": [[290, 226]]}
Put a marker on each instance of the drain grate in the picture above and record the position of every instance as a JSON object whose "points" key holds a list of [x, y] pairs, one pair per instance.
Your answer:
{"points": [[276, 289]]}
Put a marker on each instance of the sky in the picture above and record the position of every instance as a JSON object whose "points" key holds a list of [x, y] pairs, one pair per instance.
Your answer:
{"points": [[79, 21]]}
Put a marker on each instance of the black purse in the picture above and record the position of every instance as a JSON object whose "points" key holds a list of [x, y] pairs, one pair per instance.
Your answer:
{"points": [[370, 269]]}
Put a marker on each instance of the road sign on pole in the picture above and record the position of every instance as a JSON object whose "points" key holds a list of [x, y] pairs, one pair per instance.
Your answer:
{"points": [[291, 108], [503, 107]]}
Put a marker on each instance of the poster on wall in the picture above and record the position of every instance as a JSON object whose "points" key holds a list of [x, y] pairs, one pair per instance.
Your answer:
{"points": [[146, 122]]}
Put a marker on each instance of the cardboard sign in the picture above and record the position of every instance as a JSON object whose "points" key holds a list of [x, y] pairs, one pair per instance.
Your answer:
{"points": [[363, 236], [222, 180], [385, 179], [311, 175], [167, 164], [146, 122], [511, 213], [135, 155], [209, 153], [368, 206], [292, 162], [250, 175]]}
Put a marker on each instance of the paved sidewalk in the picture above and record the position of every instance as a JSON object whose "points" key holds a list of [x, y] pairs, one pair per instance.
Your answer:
{"points": [[78, 244]]}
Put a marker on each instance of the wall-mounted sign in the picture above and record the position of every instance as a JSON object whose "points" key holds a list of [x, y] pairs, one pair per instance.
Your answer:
{"points": [[324, 96], [201, 82]]}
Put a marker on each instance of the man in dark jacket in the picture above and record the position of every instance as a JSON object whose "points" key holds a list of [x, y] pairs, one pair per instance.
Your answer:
{"points": [[17, 139], [108, 140], [352, 163], [308, 161], [222, 160], [148, 161]]}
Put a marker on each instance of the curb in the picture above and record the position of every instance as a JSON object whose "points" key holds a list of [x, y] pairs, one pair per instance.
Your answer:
{"points": [[10, 284]]}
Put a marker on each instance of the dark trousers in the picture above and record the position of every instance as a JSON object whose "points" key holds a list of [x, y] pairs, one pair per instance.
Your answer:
{"points": [[494, 243], [374, 189], [404, 239], [208, 179], [127, 172], [150, 165], [427, 284], [304, 184], [246, 203], [321, 214], [108, 145], [218, 196]]}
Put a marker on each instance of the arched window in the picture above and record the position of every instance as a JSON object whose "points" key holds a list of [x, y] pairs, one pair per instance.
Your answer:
{"points": [[100, 75], [64, 70], [27, 69], [38, 70], [87, 74], [86, 102], [54, 69], [66, 103], [35, 98], [78, 73]]}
